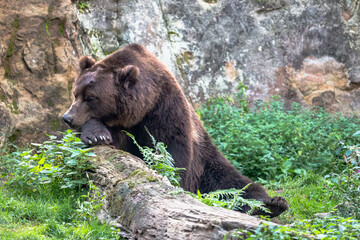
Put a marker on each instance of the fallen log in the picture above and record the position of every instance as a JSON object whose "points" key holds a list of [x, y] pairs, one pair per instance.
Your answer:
{"points": [[140, 203]]}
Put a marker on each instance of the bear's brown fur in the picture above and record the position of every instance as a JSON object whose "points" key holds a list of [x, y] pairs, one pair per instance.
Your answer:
{"points": [[130, 90]]}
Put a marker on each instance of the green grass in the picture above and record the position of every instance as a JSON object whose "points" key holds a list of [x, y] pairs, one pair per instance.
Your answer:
{"points": [[306, 195], [24, 216]]}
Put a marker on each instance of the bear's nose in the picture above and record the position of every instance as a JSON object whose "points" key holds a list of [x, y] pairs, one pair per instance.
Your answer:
{"points": [[67, 119]]}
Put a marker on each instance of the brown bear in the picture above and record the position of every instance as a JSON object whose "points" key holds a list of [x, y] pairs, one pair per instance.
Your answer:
{"points": [[130, 90]]}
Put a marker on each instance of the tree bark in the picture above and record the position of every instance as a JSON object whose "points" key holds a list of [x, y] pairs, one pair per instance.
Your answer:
{"points": [[140, 203]]}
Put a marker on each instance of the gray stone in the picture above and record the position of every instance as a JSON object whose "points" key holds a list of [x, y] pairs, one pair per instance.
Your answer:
{"points": [[110, 25], [210, 47]]}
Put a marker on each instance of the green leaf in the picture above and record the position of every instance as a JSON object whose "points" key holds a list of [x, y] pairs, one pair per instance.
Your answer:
{"points": [[48, 166], [42, 160], [356, 133]]}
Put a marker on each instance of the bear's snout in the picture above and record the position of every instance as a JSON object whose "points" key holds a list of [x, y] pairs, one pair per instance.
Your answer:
{"points": [[67, 119]]}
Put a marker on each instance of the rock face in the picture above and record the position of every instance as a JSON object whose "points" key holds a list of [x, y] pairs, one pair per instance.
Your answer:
{"points": [[39, 49], [323, 82], [303, 50], [268, 45]]}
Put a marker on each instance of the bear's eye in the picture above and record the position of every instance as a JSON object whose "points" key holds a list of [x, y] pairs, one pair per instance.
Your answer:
{"points": [[90, 99]]}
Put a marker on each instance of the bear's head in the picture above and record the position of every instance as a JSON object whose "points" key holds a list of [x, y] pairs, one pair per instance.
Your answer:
{"points": [[106, 92]]}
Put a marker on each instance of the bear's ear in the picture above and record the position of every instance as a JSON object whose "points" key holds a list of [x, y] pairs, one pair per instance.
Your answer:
{"points": [[86, 62], [128, 76]]}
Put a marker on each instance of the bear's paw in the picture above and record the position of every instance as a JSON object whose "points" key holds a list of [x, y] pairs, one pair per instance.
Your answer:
{"points": [[95, 133], [276, 205]]}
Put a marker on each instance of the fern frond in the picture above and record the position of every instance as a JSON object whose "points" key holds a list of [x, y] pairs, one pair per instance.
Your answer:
{"points": [[159, 159], [230, 199]]}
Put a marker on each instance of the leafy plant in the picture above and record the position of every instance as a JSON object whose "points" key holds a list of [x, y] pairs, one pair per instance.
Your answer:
{"points": [[271, 142], [327, 228], [90, 203], [230, 199], [55, 164], [159, 159], [83, 6], [347, 187], [346, 184], [68, 201]]}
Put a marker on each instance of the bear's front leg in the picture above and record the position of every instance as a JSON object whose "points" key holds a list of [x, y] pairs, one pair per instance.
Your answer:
{"points": [[94, 132], [276, 205]]}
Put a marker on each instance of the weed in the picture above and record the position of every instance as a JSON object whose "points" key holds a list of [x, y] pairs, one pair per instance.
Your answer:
{"points": [[56, 164], [346, 184], [272, 142], [327, 228], [90, 203], [210, 1], [230, 199], [47, 26], [49, 196], [62, 26], [83, 6], [159, 159]]}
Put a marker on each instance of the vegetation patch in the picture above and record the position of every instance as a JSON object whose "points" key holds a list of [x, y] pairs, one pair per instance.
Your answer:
{"points": [[55, 125], [62, 26], [82, 6], [46, 194], [2, 97], [14, 136], [230, 199], [210, 1], [15, 107], [272, 143], [47, 23], [106, 53], [34, 216], [298, 154], [327, 228], [11, 47], [159, 159]]}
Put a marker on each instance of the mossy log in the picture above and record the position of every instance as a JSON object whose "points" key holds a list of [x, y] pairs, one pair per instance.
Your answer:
{"points": [[140, 203]]}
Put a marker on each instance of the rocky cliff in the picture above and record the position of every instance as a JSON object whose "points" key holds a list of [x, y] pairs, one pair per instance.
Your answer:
{"points": [[39, 48], [303, 50]]}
